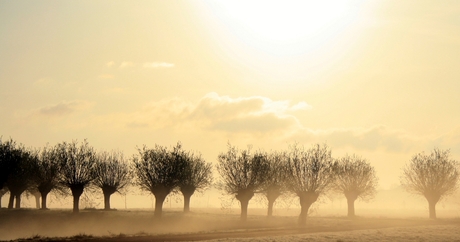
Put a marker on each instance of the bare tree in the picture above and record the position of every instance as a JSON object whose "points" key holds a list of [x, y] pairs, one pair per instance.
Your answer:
{"points": [[46, 175], [311, 174], [197, 175], [76, 162], [242, 174], [111, 174], [355, 178], [433, 176], [158, 171], [275, 179], [20, 175]]}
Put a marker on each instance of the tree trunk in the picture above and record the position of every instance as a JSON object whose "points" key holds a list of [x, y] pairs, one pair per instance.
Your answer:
{"points": [[159, 200], [11, 201], [76, 193], [44, 195], [187, 202], [244, 209], [432, 208], [270, 208], [18, 201], [306, 200], [37, 200], [351, 207], [107, 201]]}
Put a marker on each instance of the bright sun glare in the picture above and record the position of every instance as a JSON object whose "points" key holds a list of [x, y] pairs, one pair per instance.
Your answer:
{"points": [[283, 26]]}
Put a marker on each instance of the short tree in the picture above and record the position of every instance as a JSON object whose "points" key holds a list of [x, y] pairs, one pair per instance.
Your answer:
{"points": [[46, 174], [21, 173], [355, 178], [242, 174], [311, 174], [76, 162], [197, 175], [275, 182], [158, 171], [111, 174], [433, 176]]}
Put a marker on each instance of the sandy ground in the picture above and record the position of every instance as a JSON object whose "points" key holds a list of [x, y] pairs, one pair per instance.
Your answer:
{"points": [[96, 225]]}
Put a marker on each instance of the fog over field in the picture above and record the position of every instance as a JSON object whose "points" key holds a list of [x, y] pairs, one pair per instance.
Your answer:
{"points": [[286, 116]]}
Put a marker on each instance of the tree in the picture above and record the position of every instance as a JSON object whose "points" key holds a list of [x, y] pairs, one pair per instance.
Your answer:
{"points": [[111, 174], [197, 175], [47, 174], [355, 178], [76, 163], [311, 174], [274, 185], [242, 174], [433, 176], [20, 174], [158, 171]]}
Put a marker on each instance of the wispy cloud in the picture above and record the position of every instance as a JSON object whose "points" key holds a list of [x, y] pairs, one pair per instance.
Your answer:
{"points": [[110, 64], [43, 81], [158, 65], [126, 64], [64, 108], [106, 76]]}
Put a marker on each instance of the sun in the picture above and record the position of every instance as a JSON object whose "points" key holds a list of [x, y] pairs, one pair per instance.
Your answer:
{"points": [[284, 26]]}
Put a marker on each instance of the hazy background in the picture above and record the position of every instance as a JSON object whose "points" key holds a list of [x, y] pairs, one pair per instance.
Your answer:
{"points": [[377, 78]]}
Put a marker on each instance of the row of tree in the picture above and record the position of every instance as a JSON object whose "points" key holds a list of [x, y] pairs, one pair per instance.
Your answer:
{"points": [[306, 173]]}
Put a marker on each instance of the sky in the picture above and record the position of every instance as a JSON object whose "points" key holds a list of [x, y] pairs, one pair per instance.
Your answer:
{"points": [[377, 78]]}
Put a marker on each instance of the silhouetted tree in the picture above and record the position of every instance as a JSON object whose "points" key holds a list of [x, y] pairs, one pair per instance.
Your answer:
{"points": [[355, 178], [111, 174], [197, 175], [47, 174], [76, 162], [242, 174], [311, 174], [433, 176], [158, 171], [21, 172], [275, 180], [8, 156]]}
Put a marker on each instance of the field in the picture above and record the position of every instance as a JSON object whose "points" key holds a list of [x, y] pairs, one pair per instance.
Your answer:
{"points": [[214, 225]]}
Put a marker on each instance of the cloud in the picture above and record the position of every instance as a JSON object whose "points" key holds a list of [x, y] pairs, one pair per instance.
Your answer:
{"points": [[158, 65], [106, 76], [64, 108], [43, 81], [126, 64], [110, 64]]}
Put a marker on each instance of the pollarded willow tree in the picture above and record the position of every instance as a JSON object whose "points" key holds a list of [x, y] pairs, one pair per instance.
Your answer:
{"points": [[196, 176], [242, 174], [111, 174], [311, 174], [433, 176], [20, 174], [275, 181], [76, 163], [355, 178], [158, 171], [46, 174], [3, 191]]}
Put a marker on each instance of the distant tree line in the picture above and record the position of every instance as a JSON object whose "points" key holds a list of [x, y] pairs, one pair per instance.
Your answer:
{"points": [[306, 173]]}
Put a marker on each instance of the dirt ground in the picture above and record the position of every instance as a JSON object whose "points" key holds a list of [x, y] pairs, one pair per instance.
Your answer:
{"points": [[213, 225]]}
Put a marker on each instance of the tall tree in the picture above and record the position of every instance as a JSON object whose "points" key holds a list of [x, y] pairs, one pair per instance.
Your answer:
{"points": [[355, 178], [47, 173], [111, 174], [275, 179], [433, 176], [76, 162], [197, 175], [158, 171], [242, 174], [311, 174]]}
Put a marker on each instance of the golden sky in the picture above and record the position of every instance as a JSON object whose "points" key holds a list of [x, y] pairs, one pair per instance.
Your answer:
{"points": [[379, 78]]}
